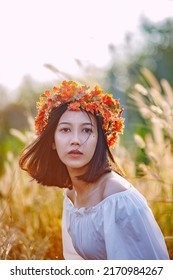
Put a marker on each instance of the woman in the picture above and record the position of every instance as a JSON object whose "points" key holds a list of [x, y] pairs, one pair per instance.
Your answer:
{"points": [[104, 217]]}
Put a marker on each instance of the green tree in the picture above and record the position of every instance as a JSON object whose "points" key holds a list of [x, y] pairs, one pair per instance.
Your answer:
{"points": [[156, 53]]}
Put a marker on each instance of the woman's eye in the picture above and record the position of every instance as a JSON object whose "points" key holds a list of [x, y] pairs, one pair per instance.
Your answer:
{"points": [[87, 130], [65, 129]]}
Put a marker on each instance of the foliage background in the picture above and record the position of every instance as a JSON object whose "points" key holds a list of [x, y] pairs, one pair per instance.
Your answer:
{"points": [[30, 224]]}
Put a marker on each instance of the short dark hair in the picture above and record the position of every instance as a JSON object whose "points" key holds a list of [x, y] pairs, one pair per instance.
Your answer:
{"points": [[44, 165]]}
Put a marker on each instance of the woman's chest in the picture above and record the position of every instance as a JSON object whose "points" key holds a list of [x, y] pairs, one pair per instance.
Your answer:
{"points": [[87, 233]]}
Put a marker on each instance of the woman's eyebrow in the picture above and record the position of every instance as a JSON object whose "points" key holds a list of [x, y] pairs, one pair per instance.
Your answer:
{"points": [[89, 123], [64, 123], [86, 123]]}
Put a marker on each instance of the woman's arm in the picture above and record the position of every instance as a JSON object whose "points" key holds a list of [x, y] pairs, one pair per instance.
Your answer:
{"points": [[69, 252]]}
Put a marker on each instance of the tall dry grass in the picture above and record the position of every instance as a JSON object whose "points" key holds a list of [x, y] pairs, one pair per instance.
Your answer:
{"points": [[30, 224], [155, 104], [30, 215]]}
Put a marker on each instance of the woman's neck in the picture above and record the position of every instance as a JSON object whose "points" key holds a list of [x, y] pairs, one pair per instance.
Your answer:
{"points": [[86, 194], [80, 186], [74, 173]]}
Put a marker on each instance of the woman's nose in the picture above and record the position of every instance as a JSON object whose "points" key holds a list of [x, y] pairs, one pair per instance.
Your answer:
{"points": [[75, 140]]}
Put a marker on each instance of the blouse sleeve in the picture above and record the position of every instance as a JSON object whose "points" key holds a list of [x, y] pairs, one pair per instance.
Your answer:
{"points": [[131, 231], [68, 250]]}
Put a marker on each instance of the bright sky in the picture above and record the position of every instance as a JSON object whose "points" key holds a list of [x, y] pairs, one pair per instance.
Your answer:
{"points": [[35, 32]]}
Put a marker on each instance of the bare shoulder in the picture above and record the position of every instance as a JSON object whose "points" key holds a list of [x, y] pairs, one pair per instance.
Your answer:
{"points": [[115, 184]]}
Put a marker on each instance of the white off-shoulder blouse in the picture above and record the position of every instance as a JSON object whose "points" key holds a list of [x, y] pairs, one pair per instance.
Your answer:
{"points": [[121, 227]]}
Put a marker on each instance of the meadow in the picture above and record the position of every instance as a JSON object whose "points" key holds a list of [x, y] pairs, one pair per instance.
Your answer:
{"points": [[30, 223]]}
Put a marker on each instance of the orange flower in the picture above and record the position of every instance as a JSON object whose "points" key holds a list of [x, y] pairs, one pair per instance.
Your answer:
{"points": [[55, 89], [92, 107], [118, 125], [107, 99], [112, 140], [46, 93], [75, 106]]}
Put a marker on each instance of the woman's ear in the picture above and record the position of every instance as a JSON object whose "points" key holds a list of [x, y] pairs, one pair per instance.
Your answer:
{"points": [[53, 146]]}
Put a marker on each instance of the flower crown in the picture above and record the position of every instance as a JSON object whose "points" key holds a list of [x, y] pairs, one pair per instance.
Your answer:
{"points": [[80, 97]]}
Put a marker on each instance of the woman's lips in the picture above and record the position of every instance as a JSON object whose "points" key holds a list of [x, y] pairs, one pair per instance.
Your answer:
{"points": [[75, 153]]}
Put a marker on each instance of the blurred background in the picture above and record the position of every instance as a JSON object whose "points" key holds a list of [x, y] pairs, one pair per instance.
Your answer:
{"points": [[124, 46]]}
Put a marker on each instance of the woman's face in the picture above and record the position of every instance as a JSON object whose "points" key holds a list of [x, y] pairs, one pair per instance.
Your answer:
{"points": [[76, 138]]}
